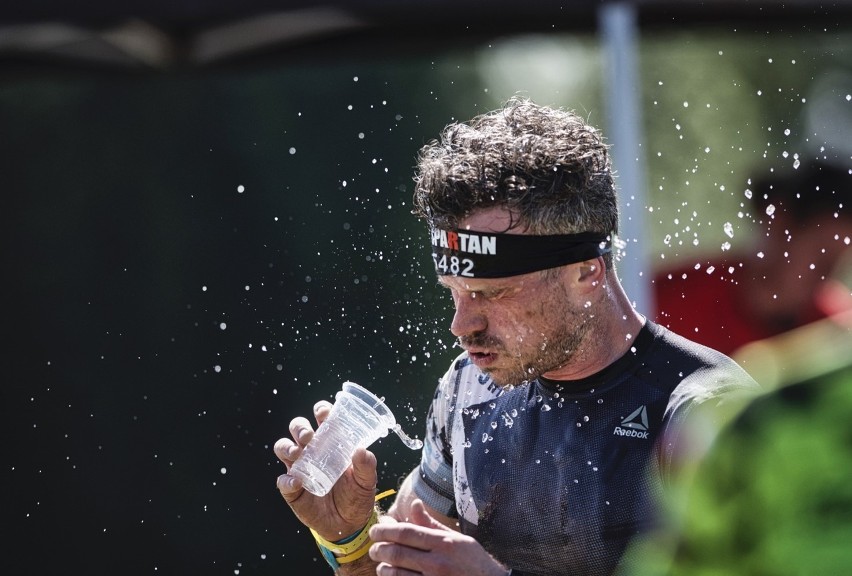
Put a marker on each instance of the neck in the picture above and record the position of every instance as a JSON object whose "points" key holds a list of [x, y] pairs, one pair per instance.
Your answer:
{"points": [[617, 326]]}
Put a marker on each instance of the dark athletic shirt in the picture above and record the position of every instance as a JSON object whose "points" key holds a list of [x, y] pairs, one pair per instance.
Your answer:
{"points": [[555, 478]]}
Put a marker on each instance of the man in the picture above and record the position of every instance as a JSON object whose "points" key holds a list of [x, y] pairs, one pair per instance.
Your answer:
{"points": [[541, 435]]}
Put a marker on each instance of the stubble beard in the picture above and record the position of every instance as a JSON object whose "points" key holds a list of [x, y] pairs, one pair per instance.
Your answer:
{"points": [[553, 352]]}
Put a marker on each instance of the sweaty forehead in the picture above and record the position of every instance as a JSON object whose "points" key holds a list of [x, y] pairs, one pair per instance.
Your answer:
{"points": [[481, 284]]}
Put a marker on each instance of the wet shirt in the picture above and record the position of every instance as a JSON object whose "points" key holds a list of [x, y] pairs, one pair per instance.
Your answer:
{"points": [[557, 479]]}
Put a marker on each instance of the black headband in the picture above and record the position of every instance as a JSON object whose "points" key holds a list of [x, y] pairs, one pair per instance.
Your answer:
{"points": [[488, 255]]}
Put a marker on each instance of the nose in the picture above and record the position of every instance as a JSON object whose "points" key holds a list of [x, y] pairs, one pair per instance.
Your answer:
{"points": [[469, 317]]}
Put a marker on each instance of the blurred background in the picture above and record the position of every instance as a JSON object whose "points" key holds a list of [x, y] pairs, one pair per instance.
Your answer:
{"points": [[206, 228]]}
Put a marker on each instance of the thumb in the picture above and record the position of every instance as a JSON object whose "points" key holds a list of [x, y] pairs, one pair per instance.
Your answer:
{"points": [[364, 468], [418, 515]]}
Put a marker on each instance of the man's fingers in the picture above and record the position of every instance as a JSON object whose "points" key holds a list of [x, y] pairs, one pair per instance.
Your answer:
{"points": [[397, 560], [364, 468], [407, 534], [418, 515], [290, 487], [287, 451], [301, 430], [321, 411]]}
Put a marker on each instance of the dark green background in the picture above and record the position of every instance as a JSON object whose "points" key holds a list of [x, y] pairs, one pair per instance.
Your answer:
{"points": [[127, 246]]}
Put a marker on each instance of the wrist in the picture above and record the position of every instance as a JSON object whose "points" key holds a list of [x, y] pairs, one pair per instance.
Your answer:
{"points": [[353, 547], [351, 544], [343, 535]]}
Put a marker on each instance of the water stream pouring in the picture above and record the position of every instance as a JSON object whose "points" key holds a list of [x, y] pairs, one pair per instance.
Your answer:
{"points": [[357, 419]]}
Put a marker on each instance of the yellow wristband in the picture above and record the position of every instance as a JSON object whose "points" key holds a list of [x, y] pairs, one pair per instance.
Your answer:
{"points": [[355, 546], [352, 545], [352, 557]]}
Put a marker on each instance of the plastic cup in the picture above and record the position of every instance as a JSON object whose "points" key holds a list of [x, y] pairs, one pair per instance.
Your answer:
{"points": [[357, 419]]}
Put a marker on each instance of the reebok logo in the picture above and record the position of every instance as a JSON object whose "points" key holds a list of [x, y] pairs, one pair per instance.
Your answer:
{"points": [[635, 425]]}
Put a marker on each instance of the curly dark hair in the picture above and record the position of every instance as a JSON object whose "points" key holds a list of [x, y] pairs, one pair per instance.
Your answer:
{"points": [[547, 166]]}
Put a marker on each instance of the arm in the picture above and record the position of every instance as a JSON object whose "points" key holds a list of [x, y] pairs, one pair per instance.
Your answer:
{"points": [[398, 512], [418, 539], [349, 505]]}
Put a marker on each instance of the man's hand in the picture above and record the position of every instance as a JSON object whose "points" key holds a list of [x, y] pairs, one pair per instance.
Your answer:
{"points": [[422, 545], [349, 504]]}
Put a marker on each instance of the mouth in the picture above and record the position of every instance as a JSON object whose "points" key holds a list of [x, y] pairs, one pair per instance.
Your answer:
{"points": [[482, 358]]}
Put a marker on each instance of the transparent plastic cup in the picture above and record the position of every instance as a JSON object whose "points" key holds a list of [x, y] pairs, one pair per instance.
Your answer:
{"points": [[357, 419]]}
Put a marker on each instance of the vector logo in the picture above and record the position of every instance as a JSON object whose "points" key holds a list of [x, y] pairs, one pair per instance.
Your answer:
{"points": [[635, 425]]}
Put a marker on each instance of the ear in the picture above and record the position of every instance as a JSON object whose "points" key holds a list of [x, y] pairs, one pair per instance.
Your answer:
{"points": [[592, 272]]}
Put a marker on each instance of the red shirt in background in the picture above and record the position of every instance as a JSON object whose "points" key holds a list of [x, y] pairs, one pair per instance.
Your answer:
{"points": [[713, 307]]}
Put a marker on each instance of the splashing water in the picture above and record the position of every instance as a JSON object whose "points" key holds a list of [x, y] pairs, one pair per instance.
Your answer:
{"points": [[410, 442]]}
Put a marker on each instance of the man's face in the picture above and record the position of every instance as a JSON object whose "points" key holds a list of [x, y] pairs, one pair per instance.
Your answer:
{"points": [[520, 327]]}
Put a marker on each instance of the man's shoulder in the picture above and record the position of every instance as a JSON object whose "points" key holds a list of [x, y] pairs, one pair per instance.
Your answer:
{"points": [[677, 345], [702, 372]]}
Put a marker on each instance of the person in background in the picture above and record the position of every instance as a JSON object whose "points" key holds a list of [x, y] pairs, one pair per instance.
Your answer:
{"points": [[553, 431], [787, 278]]}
